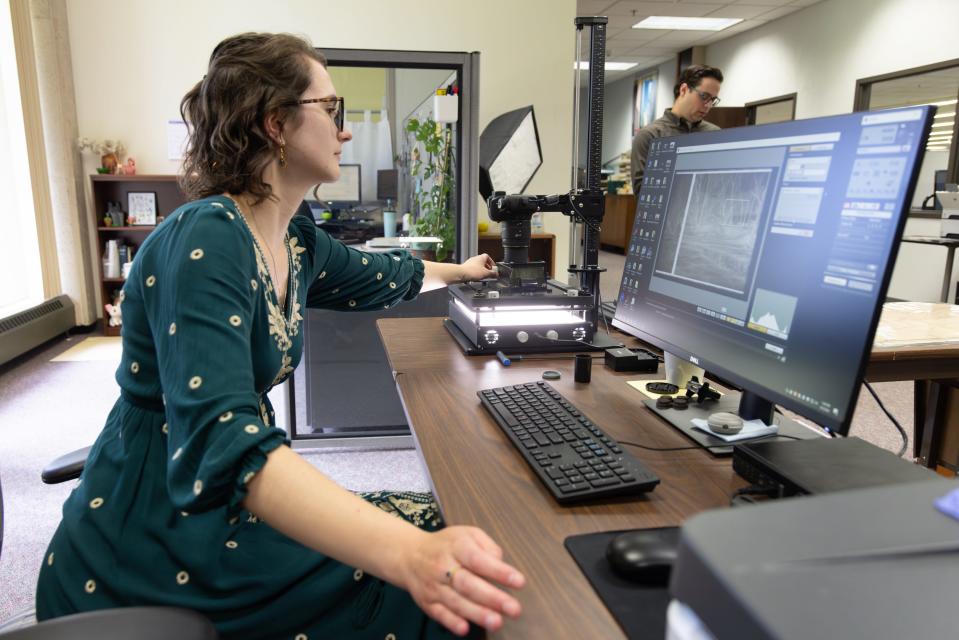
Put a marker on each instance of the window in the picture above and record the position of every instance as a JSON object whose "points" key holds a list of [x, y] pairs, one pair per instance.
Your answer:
{"points": [[936, 84], [778, 109], [21, 283]]}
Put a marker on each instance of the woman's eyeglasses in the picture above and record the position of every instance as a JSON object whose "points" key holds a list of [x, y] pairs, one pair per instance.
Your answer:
{"points": [[333, 106]]}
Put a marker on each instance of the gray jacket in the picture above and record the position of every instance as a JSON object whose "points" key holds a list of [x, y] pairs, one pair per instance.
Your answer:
{"points": [[668, 125]]}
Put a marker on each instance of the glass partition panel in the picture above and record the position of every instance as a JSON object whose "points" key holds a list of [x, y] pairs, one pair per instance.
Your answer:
{"points": [[937, 85]]}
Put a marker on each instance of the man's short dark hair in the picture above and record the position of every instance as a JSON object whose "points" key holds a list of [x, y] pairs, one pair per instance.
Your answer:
{"points": [[694, 74]]}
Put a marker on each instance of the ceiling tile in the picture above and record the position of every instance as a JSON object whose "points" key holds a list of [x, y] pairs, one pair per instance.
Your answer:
{"points": [[744, 11], [768, 3], [592, 7], [776, 13], [643, 9]]}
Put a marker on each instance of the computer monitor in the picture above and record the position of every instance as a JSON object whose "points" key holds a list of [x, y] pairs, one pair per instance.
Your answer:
{"points": [[344, 192], [386, 184], [763, 253]]}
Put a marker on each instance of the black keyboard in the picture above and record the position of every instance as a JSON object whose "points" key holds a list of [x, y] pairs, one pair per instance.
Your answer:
{"points": [[573, 457]]}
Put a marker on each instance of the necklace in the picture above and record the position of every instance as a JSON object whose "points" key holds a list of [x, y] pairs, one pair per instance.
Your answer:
{"points": [[269, 250]]}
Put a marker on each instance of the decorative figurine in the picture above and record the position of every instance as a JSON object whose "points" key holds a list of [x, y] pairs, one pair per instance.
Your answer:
{"points": [[113, 312]]}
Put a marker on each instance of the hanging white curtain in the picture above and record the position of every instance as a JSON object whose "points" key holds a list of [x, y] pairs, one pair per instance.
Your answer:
{"points": [[371, 148]]}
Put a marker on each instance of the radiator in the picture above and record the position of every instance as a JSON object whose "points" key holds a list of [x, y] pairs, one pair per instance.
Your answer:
{"points": [[28, 329]]}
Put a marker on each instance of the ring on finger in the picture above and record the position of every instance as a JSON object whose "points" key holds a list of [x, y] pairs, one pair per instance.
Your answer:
{"points": [[452, 572]]}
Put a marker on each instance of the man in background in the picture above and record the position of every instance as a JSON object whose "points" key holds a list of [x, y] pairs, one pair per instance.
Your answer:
{"points": [[696, 92]]}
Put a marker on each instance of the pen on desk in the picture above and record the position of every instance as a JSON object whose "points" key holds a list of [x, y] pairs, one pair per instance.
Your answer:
{"points": [[502, 358]]}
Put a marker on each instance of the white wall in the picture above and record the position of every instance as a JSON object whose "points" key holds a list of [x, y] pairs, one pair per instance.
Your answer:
{"points": [[618, 110], [134, 60], [666, 78], [618, 118], [819, 53]]}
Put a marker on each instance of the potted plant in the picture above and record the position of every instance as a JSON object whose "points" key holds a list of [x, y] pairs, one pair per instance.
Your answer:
{"points": [[109, 151], [433, 183]]}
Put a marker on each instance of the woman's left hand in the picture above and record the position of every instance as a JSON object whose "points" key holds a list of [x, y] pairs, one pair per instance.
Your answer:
{"points": [[478, 268]]}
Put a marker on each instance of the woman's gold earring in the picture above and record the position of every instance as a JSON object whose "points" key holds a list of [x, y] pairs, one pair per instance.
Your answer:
{"points": [[282, 156]]}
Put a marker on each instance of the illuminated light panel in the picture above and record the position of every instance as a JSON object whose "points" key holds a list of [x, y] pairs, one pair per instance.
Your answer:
{"points": [[687, 24], [609, 66]]}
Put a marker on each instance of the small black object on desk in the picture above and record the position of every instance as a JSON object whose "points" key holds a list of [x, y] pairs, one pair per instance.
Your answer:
{"points": [[645, 556], [583, 370], [624, 359]]}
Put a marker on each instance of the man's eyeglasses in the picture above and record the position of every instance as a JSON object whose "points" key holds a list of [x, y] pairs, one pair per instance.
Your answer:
{"points": [[333, 106], [709, 99]]}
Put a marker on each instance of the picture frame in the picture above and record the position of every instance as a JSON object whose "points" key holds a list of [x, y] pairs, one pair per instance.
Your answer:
{"points": [[142, 207], [644, 101]]}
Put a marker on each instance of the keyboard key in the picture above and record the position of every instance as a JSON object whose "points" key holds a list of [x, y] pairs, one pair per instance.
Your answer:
{"points": [[506, 415], [604, 482]]}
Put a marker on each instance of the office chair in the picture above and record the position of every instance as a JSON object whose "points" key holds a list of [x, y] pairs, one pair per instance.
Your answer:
{"points": [[128, 623]]}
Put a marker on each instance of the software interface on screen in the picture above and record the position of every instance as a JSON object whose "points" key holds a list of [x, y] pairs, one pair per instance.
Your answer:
{"points": [[761, 252]]}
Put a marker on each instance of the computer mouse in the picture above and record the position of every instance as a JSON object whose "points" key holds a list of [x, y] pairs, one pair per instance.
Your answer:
{"points": [[725, 423], [645, 557]]}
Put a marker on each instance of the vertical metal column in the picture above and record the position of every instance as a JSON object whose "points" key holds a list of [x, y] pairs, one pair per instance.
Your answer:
{"points": [[589, 278]]}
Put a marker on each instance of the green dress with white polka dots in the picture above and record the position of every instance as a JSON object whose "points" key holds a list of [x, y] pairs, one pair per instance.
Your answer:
{"points": [[156, 518]]}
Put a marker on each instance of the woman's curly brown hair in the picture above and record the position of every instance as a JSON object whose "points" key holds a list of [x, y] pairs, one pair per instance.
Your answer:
{"points": [[250, 75]]}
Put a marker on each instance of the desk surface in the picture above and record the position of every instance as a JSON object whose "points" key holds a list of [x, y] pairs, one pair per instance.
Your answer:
{"points": [[479, 479], [945, 242], [914, 341]]}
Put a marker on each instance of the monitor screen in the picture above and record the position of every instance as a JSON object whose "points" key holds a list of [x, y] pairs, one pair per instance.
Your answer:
{"points": [[763, 253], [346, 189]]}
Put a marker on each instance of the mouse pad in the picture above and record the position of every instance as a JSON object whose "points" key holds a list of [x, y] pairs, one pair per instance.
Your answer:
{"points": [[640, 610]]}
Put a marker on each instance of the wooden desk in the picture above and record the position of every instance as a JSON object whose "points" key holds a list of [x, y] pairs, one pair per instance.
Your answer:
{"points": [[479, 479], [618, 220], [920, 341]]}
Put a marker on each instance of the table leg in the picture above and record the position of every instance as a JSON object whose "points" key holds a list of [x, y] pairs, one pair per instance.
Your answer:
{"points": [[928, 422], [918, 419], [947, 279]]}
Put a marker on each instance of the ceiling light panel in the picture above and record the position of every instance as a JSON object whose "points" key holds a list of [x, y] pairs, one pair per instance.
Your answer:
{"points": [[678, 23]]}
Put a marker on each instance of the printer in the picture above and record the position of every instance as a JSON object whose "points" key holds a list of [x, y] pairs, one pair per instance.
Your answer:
{"points": [[950, 213]]}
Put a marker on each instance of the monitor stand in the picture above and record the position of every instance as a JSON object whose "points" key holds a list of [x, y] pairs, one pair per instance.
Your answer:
{"points": [[733, 402]]}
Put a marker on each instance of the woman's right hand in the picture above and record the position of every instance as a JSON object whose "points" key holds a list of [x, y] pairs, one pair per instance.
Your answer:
{"points": [[452, 575]]}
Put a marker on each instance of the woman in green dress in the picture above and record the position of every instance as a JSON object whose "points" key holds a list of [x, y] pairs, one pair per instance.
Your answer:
{"points": [[191, 497]]}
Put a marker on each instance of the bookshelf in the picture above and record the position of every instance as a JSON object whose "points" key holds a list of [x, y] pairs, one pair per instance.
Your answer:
{"points": [[110, 188]]}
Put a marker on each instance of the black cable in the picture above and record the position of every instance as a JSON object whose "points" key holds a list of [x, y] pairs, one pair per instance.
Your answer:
{"points": [[715, 446], [902, 432], [605, 321]]}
